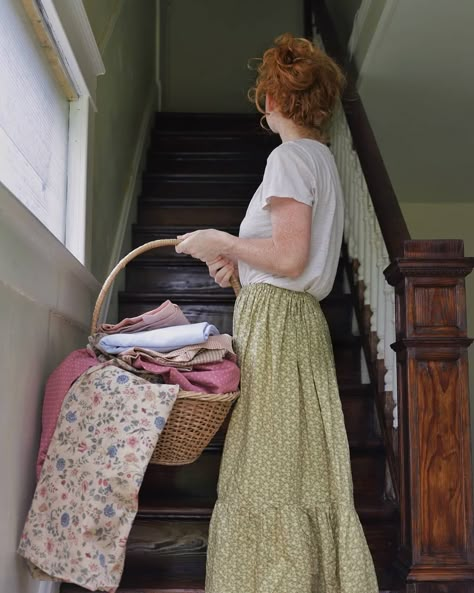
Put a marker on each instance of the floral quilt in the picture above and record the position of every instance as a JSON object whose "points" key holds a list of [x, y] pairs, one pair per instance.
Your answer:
{"points": [[87, 494]]}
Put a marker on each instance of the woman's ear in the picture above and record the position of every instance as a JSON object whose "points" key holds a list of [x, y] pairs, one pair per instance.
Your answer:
{"points": [[269, 104]]}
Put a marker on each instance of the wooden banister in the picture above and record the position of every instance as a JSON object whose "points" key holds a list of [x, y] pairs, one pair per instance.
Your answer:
{"points": [[431, 391], [385, 202], [437, 528]]}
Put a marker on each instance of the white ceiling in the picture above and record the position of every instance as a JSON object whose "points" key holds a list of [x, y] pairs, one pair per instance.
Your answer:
{"points": [[417, 85]]}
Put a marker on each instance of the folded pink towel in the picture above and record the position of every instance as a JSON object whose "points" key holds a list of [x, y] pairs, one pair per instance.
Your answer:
{"points": [[166, 315]]}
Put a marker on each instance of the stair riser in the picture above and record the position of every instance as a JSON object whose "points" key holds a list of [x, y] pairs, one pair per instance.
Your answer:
{"points": [[198, 481], [207, 122], [172, 271], [158, 163], [199, 189], [217, 143], [151, 212], [143, 234]]}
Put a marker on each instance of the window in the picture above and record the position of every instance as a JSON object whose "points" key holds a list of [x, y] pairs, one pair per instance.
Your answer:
{"points": [[49, 62], [34, 122]]}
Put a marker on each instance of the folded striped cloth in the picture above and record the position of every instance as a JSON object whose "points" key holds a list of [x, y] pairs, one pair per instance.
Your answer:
{"points": [[165, 339]]}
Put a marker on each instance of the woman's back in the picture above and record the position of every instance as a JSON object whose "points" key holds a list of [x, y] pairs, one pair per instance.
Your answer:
{"points": [[304, 170]]}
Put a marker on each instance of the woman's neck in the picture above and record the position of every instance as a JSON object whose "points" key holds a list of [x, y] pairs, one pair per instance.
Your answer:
{"points": [[288, 131]]}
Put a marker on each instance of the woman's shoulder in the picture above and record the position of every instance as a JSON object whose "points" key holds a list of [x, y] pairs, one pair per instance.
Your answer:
{"points": [[303, 148], [315, 155]]}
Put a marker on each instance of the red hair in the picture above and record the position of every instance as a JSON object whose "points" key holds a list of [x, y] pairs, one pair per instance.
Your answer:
{"points": [[304, 82]]}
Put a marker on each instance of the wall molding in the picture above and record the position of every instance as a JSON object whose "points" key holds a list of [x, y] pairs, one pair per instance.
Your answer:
{"points": [[48, 587], [110, 27], [379, 34], [358, 26], [71, 30], [133, 187]]}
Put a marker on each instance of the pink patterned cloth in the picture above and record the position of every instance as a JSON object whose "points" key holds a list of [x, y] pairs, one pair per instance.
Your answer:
{"points": [[58, 384], [166, 315]]}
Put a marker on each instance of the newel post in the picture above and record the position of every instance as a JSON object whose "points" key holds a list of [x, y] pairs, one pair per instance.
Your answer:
{"points": [[437, 541]]}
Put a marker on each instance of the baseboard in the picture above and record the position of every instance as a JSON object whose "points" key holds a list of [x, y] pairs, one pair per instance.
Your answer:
{"points": [[48, 587], [133, 187]]}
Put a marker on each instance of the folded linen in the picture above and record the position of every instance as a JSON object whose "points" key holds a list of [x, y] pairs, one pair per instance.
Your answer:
{"points": [[214, 349], [166, 315], [165, 339]]}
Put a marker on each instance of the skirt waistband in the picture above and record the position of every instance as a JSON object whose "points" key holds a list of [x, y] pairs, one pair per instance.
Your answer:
{"points": [[266, 290]]}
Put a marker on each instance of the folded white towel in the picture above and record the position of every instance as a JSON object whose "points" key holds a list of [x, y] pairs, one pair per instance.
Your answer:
{"points": [[165, 339]]}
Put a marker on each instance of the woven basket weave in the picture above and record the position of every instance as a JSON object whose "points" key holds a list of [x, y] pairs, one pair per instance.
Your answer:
{"points": [[195, 417]]}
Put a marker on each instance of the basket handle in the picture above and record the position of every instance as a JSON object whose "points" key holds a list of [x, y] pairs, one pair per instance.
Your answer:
{"points": [[121, 265]]}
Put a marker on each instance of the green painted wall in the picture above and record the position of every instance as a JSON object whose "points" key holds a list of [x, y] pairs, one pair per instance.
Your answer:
{"points": [[125, 33], [449, 221], [46, 300], [206, 46]]}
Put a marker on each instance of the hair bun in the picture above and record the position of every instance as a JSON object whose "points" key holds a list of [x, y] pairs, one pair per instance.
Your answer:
{"points": [[304, 82]]}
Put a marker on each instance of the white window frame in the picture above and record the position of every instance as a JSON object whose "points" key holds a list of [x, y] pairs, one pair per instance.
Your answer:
{"points": [[67, 24]]}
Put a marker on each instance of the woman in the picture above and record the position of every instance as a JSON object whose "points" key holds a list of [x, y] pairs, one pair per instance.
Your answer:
{"points": [[285, 521]]}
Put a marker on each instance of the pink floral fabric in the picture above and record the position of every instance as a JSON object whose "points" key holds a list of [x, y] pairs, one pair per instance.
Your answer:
{"points": [[57, 386], [87, 495]]}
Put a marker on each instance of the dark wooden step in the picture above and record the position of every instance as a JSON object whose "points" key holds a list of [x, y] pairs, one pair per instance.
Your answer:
{"points": [[201, 185], [212, 142], [213, 163], [144, 233], [179, 122], [200, 212], [195, 484]]}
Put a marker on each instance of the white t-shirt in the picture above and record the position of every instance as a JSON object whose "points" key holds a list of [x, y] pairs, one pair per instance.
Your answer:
{"points": [[305, 170]]}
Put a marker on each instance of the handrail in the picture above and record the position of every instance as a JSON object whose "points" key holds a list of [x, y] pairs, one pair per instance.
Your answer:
{"points": [[387, 209], [416, 308]]}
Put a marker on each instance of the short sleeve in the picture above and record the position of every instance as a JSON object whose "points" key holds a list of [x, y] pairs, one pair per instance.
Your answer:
{"points": [[288, 174]]}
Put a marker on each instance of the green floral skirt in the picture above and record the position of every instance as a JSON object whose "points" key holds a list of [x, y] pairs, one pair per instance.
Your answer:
{"points": [[285, 520]]}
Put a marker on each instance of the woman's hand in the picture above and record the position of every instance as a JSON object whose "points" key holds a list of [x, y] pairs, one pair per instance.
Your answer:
{"points": [[206, 244], [221, 269]]}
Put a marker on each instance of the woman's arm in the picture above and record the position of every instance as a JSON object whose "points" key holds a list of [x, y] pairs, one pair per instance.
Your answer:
{"points": [[285, 253]]}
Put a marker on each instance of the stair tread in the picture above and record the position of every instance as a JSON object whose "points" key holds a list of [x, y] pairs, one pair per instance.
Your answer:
{"points": [[200, 510], [152, 295], [197, 201], [205, 177], [168, 229], [209, 154]]}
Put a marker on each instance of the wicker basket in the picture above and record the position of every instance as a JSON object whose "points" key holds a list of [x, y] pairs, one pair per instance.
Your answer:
{"points": [[195, 417]]}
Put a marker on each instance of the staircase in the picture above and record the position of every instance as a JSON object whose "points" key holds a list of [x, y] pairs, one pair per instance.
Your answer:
{"points": [[202, 171]]}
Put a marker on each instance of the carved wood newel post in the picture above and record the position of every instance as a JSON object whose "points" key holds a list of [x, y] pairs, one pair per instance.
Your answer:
{"points": [[437, 540]]}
